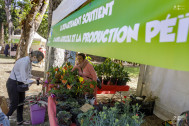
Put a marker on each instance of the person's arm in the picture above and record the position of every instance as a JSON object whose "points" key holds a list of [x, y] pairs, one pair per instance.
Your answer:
{"points": [[92, 72]]}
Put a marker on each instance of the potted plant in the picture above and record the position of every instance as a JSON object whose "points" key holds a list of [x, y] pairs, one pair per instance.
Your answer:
{"points": [[75, 112], [112, 73], [38, 105], [146, 103], [64, 118], [112, 116]]}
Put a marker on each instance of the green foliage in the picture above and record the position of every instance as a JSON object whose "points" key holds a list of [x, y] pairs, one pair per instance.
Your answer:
{"points": [[68, 81], [110, 70], [112, 116], [43, 28], [133, 71], [64, 118], [2, 11], [39, 99], [24, 8]]}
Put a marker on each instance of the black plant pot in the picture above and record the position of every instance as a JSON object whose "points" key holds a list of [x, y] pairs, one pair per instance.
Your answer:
{"points": [[121, 82], [100, 78], [66, 108], [62, 122], [65, 123], [74, 116], [105, 81], [77, 122], [147, 108], [120, 108], [98, 107], [114, 81], [81, 100]]}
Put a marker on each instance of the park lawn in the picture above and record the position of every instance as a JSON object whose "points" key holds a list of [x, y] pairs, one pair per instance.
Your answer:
{"points": [[133, 71]]}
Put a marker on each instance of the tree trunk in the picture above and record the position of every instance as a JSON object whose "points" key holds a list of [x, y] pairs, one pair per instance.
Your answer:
{"points": [[30, 25], [54, 56], [2, 37], [9, 19]]}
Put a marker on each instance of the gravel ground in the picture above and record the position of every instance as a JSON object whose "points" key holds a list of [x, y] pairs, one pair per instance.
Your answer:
{"points": [[6, 65]]}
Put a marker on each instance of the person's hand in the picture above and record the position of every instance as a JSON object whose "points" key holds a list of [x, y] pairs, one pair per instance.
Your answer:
{"points": [[36, 78], [41, 82]]}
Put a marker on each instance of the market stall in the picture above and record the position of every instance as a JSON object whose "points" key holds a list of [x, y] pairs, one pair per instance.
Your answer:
{"points": [[150, 32], [38, 41]]}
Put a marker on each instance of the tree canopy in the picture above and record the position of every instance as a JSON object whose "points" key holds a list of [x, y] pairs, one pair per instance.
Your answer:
{"points": [[19, 10]]}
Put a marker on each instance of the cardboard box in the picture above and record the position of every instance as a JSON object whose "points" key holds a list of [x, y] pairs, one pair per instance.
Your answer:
{"points": [[3, 104]]}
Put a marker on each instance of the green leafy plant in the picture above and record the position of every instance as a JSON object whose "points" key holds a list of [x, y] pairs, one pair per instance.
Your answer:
{"points": [[39, 99], [112, 116], [112, 71], [75, 112], [64, 118]]}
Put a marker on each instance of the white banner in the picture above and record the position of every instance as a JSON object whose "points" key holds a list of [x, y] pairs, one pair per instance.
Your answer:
{"points": [[65, 8]]}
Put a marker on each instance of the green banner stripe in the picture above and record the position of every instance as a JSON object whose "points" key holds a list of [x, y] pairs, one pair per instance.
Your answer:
{"points": [[147, 32]]}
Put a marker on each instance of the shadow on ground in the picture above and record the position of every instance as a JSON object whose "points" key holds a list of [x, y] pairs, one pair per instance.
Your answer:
{"points": [[38, 73], [6, 62]]}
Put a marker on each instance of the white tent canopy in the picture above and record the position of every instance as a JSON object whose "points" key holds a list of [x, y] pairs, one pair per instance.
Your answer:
{"points": [[37, 37]]}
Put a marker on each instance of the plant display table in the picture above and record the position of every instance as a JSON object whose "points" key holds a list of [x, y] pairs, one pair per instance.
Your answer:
{"points": [[112, 89]]}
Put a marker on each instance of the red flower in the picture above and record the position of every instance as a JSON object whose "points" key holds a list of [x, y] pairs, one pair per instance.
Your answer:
{"points": [[65, 68], [125, 96], [136, 114]]}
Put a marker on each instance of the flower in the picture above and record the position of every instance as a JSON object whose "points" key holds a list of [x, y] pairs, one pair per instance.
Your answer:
{"points": [[83, 82], [125, 96], [63, 70], [136, 114], [53, 95], [81, 79], [91, 86], [62, 76], [46, 82], [64, 81], [69, 87], [56, 69]]}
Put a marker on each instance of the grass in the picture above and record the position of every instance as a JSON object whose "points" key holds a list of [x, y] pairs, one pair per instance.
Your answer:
{"points": [[2, 56], [133, 71]]}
